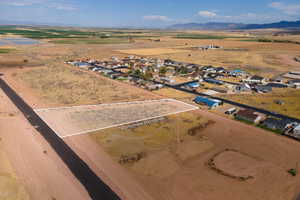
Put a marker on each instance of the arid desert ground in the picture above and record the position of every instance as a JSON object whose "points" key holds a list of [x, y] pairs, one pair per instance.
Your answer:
{"points": [[199, 154]]}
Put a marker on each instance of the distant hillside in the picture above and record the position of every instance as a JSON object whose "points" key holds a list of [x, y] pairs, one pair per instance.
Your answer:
{"points": [[207, 26], [282, 24], [231, 26]]}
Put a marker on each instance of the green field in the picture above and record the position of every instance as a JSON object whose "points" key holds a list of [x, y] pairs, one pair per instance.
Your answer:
{"points": [[270, 40], [204, 36], [91, 41], [41, 33], [5, 50]]}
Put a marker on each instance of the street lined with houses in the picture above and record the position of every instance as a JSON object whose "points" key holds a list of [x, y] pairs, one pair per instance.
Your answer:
{"points": [[153, 77]]}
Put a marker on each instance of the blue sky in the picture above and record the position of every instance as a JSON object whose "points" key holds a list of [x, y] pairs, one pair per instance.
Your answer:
{"points": [[147, 13]]}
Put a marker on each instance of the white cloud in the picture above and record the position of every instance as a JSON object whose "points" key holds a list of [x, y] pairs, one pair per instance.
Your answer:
{"points": [[56, 4], [157, 18], [208, 14], [289, 9]]}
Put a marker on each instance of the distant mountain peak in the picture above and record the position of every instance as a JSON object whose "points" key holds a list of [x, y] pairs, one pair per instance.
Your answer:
{"points": [[228, 26]]}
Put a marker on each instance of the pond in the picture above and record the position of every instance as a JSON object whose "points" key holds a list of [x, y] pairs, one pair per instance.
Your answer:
{"points": [[18, 41]]}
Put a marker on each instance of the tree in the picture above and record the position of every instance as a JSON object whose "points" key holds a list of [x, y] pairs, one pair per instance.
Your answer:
{"points": [[293, 172], [148, 75], [183, 70], [137, 72], [162, 70]]}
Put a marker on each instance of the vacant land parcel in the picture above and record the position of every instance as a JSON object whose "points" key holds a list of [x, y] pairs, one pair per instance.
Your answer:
{"points": [[83, 119], [153, 51]]}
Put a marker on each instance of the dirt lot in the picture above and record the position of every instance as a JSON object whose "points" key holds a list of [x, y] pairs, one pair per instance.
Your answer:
{"points": [[149, 138], [69, 121], [67, 86], [153, 51], [290, 97], [10, 185], [30, 169]]}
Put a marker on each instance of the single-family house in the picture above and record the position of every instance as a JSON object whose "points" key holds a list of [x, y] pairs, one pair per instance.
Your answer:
{"points": [[294, 83], [237, 72], [211, 103], [277, 85], [213, 81], [82, 64], [292, 75], [248, 115], [154, 86], [220, 70], [276, 124], [255, 79], [263, 89], [168, 80], [193, 85], [221, 90], [297, 131], [243, 88], [277, 79]]}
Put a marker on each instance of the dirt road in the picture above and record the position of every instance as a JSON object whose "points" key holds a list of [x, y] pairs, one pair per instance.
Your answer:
{"points": [[39, 168], [96, 188]]}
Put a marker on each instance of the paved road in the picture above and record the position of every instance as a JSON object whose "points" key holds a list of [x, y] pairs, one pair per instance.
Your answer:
{"points": [[96, 188], [266, 112]]}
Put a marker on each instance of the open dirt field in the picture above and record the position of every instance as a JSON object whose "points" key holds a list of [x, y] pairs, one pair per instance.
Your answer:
{"points": [[10, 185], [153, 51], [164, 167], [30, 169], [148, 138], [69, 121], [291, 98], [67, 86]]}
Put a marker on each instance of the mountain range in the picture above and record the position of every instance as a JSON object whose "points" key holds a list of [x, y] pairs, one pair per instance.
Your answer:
{"points": [[233, 26]]}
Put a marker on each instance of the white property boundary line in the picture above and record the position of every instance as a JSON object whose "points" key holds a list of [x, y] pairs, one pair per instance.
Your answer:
{"points": [[116, 125]]}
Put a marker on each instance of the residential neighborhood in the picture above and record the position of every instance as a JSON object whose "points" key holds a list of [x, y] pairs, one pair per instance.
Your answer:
{"points": [[155, 74]]}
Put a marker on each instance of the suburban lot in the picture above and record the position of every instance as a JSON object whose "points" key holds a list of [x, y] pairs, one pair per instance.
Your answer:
{"points": [[69, 121]]}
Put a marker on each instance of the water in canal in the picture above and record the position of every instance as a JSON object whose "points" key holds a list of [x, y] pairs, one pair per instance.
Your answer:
{"points": [[17, 41]]}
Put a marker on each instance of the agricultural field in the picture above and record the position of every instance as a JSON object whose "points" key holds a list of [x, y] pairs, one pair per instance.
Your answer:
{"points": [[91, 41], [5, 50], [152, 51]]}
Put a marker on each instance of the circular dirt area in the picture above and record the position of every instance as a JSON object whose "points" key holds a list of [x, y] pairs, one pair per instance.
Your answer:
{"points": [[234, 164]]}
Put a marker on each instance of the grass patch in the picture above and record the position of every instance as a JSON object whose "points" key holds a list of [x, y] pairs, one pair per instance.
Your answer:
{"points": [[6, 50], [39, 33], [90, 41], [279, 132], [270, 40], [199, 36], [64, 86], [205, 36], [244, 121], [147, 138]]}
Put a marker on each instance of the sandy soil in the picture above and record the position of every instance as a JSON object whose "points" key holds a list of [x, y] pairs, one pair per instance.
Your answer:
{"points": [[152, 51], [155, 179], [39, 168], [10, 185], [83, 119]]}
